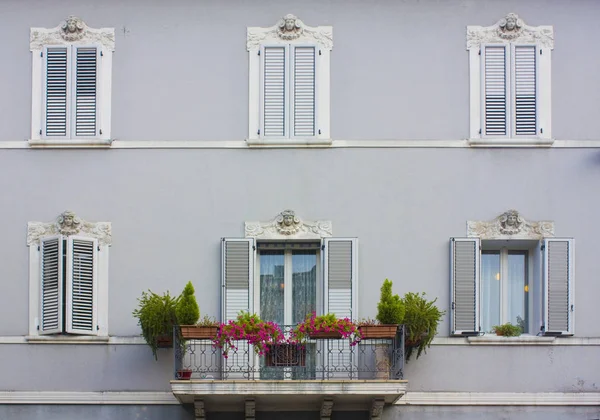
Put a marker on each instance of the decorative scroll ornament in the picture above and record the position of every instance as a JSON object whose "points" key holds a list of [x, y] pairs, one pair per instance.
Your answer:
{"points": [[510, 225], [289, 29], [72, 30], [510, 29], [288, 226], [68, 224]]}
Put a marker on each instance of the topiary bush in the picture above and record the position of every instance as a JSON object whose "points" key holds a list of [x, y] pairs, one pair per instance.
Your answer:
{"points": [[187, 309], [390, 309]]}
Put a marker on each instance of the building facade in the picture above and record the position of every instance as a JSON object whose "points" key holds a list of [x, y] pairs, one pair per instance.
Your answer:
{"points": [[451, 147]]}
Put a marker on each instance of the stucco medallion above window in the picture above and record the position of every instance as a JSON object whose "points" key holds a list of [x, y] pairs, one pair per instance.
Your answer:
{"points": [[71, 84], [510, 84], [289, 83]]}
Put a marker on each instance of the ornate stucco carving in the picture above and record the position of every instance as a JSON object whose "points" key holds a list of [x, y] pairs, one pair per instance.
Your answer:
{"points": [[72, 30], [510, 225], [67, 224], [510, 28], [289, 29], [286, 225]]}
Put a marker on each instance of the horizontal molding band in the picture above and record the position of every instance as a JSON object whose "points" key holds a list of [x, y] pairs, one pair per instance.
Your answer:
{"points": [[438, 341], [500, 398], [410, 398], [341, 144]]}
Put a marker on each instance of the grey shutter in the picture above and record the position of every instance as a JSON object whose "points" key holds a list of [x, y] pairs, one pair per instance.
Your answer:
{"points": [[81, 287], [51, 305], [558, 286], [464, 284], [340, 276], [85, 92], [274, 91], [237, 276], [525, 90], [494, 90], [56, 101], [304, 91]]}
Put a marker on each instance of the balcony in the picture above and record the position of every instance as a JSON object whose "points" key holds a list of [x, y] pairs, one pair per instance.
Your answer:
{"points": [[319, 373]]}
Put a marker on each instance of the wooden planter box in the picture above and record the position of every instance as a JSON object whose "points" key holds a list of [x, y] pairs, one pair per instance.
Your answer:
{"points": [[285, 355], [331, 335], [193, 332], [378, 331]]}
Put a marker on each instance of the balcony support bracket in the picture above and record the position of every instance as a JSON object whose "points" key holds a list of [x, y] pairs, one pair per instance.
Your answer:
{"points": [[250, 409], [199, 409], [377, 408], [326, 408]]}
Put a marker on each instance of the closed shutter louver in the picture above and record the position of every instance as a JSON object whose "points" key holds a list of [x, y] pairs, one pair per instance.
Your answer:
{"points": [[464, 277], [52, 285], [558, 282], [495, 90], [237, 276], [339, 276], [81, 277], [56, 92], [86, 92], [525, 90], [304, 91], [274, 98]]}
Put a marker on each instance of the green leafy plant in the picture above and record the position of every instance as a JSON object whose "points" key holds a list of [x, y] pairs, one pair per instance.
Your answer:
{"points": [[325, 324], [390, 309], [156, 316], [187, 310], [507, 330], [208, 321], [421, 322]]}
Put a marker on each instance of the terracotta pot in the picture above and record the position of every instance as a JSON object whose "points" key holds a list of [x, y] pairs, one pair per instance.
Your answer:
{"points": [[183, 374], [324, 334], [194, 332], [164, 341], [378, 331], [285, 355]]}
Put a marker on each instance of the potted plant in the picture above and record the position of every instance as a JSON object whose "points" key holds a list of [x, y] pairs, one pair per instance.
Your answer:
{"points": [[206, 328], [326, 326], [421, 321], [390, 314], [188, 314], [156, 316], [507, 330]]}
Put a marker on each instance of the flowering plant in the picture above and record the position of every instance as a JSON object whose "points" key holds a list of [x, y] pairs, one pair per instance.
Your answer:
{"points": [[249, 327], [328, 323]]}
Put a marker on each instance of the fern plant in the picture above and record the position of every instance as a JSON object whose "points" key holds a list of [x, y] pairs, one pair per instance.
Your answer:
{"points": [[421, 322], [156, 316], [187, 309], [390, 309]]}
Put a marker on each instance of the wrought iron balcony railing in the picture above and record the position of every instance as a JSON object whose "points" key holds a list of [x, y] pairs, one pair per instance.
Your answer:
{"points": [[317, 359]]}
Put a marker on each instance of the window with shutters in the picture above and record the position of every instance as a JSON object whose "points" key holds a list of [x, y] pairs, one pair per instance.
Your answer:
{"points": [[289, 83], [510, 82], [512, 270], [71, 84], [68, 277]]}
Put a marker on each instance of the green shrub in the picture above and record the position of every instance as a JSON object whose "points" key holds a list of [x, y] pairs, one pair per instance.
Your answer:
{"points": [[507, 330], [156, 315], [421, 322], [390, 309], [187, 310]]}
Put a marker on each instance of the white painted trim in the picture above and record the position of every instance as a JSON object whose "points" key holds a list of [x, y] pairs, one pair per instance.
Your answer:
{"points": [[91, 398], [334, 144], [500, 398], [523, 340], [71, 339]]}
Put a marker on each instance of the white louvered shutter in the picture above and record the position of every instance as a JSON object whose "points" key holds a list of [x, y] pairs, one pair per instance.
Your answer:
{"points": [[51, 249], [85, 92], [339, 276], [494, 89], [558, 286], [304, 92], [81, 287], [274, 112], [525, 90], [56, 89], [464, 279]]}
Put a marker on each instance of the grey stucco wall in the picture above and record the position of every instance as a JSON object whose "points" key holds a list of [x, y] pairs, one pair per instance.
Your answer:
{"points": [[399, 69]]}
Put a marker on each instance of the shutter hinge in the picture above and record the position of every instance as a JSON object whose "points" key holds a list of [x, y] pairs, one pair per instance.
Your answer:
{"points": [[100, 131], [572, 308], [97, 328], [480, 51], [258, 132], [40, 131], [323, 247], [319, 131], [38, 247], [38, 327], [101, 53], [41, 54], [319, 52], [98, 248], [541, 131], [543, 247], [258, 52], [253, 247], [452, 305], [480, 131], [540, 51]]}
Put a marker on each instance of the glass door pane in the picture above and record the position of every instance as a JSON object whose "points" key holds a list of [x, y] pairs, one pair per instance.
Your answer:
{"points": [[490, 290], [272, 286], [518, 289], [304, 284]]}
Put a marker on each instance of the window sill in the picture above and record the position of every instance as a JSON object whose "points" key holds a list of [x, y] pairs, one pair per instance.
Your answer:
{"points": [[523, 340], [511, 142], [69, 143], [64, 339], [295, 142]]}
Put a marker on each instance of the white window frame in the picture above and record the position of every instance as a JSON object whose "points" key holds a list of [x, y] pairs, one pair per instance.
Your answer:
{"points": [[319, 37], [542, 37], [101, 231], [42, 38]]}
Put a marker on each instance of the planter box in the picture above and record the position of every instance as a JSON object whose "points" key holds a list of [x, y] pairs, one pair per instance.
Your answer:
{"points": [[286, 355], [330, 334], [193, 332], [378, 331], [164, 341]]}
